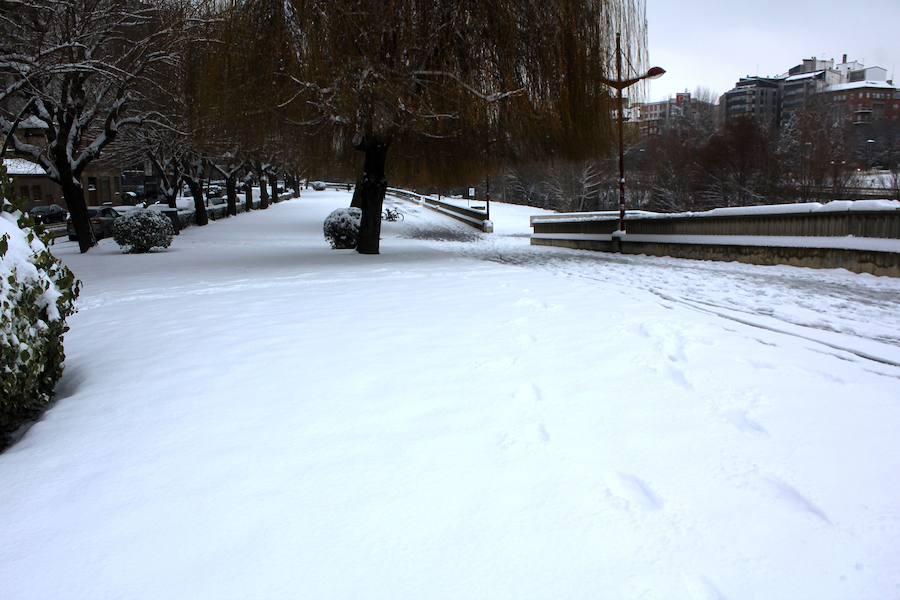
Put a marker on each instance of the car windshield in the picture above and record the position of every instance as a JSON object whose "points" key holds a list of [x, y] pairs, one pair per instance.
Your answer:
{"points": [[93, 212]]}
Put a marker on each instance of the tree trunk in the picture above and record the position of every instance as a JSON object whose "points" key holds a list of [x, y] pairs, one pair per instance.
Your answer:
{"points": [[200, 216], [297, 186], [356, 202], [248, 196], [263, 193], [373, 187], [274, 183], [73, 194], [231, 192]]}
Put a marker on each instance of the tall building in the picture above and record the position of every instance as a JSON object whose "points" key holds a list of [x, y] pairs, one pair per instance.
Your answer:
{"points": [[805, 81], [756, 97], [772, 100]]}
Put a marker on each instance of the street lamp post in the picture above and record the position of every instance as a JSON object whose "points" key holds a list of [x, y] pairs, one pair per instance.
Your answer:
{"points": [[868, 153], [619, 85]]}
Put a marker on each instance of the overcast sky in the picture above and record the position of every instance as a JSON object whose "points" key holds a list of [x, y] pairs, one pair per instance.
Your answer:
{"points": [[713, 43]]}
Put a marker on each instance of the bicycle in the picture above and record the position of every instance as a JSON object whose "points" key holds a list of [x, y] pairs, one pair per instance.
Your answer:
{"points": [[391, 214]]}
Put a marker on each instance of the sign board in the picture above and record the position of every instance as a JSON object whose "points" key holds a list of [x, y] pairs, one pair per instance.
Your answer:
{"points": [[471, 192]]}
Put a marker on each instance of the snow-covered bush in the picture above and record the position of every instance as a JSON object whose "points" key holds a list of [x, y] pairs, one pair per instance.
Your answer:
{"points": [[141, 230], [342, 227], [37, 293]]}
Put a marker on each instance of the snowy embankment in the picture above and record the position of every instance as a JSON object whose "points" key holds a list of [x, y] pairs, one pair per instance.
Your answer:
{"points": [[254, 415]]}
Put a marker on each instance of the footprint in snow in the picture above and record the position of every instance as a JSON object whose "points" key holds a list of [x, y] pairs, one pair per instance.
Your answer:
{"points": [[531, 434], [667, 338], [678, 376], [702, 588], [789, 496], [743, 423], [634, 491]]}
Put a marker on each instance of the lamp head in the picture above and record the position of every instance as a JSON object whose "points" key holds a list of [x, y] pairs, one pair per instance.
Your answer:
{"points": [[655, 73]]}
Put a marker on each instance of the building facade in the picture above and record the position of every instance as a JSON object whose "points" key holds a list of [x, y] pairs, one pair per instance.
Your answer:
{"points": [[32, 186], [654, 117], [754, 97], [848, 86]]}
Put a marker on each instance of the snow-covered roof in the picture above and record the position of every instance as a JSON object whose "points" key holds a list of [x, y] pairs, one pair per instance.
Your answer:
{"points": [[804, 76], [21, 167], [842, 87]]}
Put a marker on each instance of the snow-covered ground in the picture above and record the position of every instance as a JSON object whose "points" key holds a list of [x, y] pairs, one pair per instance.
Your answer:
{"points": [[251, 414]]}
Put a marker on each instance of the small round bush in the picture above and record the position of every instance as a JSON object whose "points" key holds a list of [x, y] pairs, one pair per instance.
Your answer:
{"points": [[342, 227], [142, 230], [37, 293]]}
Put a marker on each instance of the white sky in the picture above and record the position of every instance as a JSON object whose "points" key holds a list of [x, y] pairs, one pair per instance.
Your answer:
{"points": [[712, 44]]}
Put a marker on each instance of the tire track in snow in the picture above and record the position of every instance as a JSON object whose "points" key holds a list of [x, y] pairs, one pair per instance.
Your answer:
{"points": [[556, 264], [721, 312]]}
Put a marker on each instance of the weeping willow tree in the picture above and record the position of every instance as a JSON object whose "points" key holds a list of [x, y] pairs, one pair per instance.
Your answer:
{"points": [[450, 88]]}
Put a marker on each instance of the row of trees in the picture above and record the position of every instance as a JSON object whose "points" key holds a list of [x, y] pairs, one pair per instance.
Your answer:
{"points": [[695, 165], [246, 88]]}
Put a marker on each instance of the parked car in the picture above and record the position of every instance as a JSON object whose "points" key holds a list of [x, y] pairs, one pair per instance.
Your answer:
{"points": [[101, 217], [48, 213], [319, 186], [125, 209]]}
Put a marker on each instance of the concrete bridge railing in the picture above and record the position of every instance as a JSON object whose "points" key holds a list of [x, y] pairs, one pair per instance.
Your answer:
{"points": [[861, 236], [470, 216]]}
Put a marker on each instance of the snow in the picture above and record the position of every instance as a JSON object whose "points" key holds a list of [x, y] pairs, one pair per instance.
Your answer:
{"points": [[21, 167], [855, 85], [772, 241], [766, 209], [809, 75], [18, 265], [33, 122], [19, 256], [251, 414], [876, 179]]}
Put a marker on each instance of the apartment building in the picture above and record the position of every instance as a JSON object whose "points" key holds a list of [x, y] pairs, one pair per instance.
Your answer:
{"points": [[654, 117], [848, 86], [757, 97]]}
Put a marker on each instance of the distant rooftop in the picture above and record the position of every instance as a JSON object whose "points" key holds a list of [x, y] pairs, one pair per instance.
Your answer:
{"points": [[841, 87], [804, 76], [21, 167]]}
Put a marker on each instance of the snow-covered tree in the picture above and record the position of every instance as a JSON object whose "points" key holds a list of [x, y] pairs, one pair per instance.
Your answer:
{"points": [[84, 70], [230, 165]]}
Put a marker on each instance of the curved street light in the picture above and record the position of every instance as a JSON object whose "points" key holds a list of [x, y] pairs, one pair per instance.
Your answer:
{"points": [[620, 84]]}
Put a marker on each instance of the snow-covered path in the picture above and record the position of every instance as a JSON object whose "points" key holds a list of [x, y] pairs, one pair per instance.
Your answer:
{"points": [[254, 415]]}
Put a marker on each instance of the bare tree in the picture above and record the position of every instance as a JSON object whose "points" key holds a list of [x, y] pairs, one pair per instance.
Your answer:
{"points": [[78, 67], [230, 165], [514, 75]]}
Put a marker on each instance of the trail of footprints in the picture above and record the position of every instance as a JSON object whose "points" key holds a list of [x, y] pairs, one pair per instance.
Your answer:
{"points": [[530, 430], [626, 490]]}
